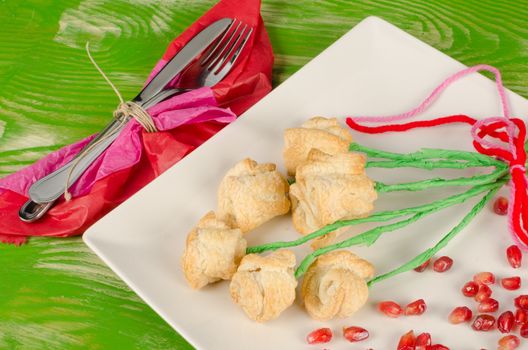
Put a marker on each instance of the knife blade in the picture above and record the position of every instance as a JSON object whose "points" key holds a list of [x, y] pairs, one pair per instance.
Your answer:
{"points": [[185, 56]]}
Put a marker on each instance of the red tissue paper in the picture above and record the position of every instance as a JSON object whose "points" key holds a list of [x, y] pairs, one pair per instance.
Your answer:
{"points": [[247, 83]]}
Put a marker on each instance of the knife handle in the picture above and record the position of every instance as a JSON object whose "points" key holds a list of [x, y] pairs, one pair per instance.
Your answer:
{"points": [[52, 186]]}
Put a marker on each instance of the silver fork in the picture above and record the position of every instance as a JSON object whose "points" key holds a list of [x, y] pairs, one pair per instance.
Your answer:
{"points": [[209, 69], [214, 64]]}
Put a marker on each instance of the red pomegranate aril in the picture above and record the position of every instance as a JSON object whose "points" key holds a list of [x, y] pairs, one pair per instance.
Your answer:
{"points": [[407, 341], [460, 314], [423, 340], [484, 278], [488, 305], [355, 334], [319, 336], [500, 207], [442, 264], [415, 308], [511, 283], [483, 293], [505, 322], [422, 267], [521, 317], [509, 342], [522, 302], [514, 256], [523, 332], [390, 308], [437, 347], [470, 289], [483, 323]]}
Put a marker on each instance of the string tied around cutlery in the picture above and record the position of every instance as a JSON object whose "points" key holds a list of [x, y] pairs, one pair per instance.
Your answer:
{"points": [[508, 142], [124, 111]]}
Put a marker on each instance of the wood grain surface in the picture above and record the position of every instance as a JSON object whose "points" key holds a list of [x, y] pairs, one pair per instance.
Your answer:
{"points": [[55, 293]]}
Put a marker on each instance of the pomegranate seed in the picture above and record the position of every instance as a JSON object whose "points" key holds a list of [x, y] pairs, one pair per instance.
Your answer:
{"points": [[470, 289], [521, 317], [442, 264], [511, 283], [407, 341], [437, 347], [483, 293], [390, 308], [488, 305], [509, 342], [321, 335], [514, 255], [505, 322], [500, 207], [417, 307], [483, 323], [522, 302], [355, 334], [422, 267], [460, 314], [484, 278], [523, 332], [423, 340]]}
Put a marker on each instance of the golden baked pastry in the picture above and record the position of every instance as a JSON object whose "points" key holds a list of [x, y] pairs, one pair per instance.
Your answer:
{"points": [[212, 252], [264, 286], [334, 285], [328, 188], [251, 194], [324, 134]]}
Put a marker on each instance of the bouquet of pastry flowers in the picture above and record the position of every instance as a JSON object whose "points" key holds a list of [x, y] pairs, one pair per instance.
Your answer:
{"points": [[328, 191]]}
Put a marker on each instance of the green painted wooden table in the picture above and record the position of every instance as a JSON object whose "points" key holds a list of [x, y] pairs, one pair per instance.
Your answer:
{"points": [[55, 293]]}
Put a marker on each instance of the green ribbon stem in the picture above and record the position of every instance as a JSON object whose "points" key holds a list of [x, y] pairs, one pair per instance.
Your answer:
{"points": [[422, 163], [439, 182], [431, 159], [476, 159], [368, 237], [426, 255], [371, 236], [376, 217], [425, 159]]}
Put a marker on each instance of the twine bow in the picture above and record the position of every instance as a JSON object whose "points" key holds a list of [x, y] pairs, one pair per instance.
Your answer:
{"points": [[506, 130], [124, 111]]}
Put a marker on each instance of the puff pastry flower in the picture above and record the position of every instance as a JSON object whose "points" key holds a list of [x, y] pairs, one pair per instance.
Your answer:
{"points": [[324, 134], [328, 188], [251, 194], [334, 285], [212, 252], [264, 286]]}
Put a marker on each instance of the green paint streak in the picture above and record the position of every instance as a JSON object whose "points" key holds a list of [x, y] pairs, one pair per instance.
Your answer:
{"points": [[54, 293], [57, 295]]}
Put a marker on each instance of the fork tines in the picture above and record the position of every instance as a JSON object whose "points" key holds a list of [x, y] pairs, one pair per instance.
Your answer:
{"points": [[224, 52]]}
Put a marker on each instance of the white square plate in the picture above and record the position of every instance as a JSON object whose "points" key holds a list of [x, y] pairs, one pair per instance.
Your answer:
{"points": [[374, 69]]}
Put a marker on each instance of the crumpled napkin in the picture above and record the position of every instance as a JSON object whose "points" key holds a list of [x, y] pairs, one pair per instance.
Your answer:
{"points": [[196, 106]]}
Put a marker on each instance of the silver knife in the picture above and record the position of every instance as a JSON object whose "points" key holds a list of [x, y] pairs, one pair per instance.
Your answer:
{"points": [[48, 189]]}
